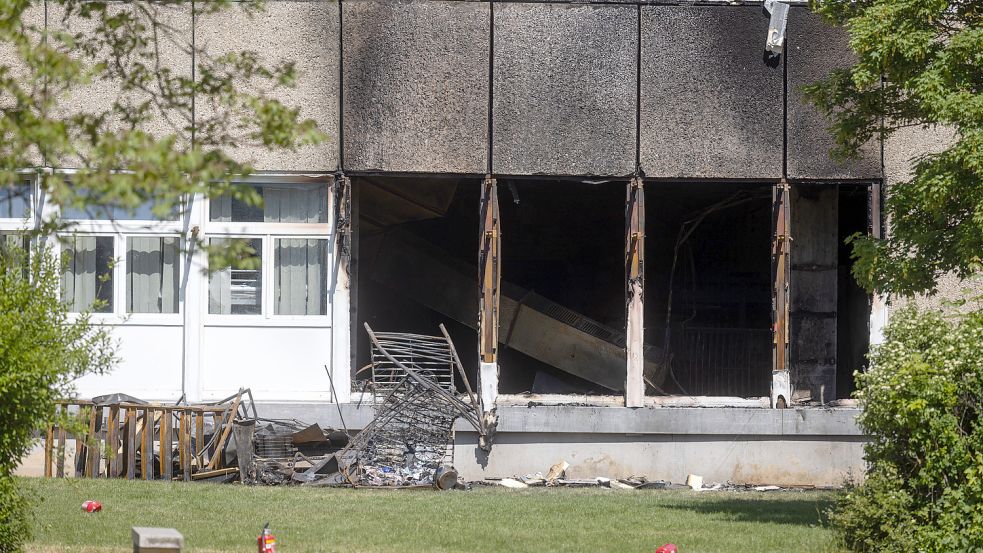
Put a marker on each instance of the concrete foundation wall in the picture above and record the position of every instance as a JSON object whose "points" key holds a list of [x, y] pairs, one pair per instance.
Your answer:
{"points": [[821, 447]]}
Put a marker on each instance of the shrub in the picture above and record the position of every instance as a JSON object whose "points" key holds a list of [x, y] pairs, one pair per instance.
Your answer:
{"points": [[923, 402], [43, 350]]}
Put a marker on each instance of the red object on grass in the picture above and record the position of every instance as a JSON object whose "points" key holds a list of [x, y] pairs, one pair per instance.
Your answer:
{"points": [[667, 548], [266, 541], [91, 506]]}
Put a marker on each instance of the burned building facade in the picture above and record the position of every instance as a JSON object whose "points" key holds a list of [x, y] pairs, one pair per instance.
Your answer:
{"points": [[624, 213]]}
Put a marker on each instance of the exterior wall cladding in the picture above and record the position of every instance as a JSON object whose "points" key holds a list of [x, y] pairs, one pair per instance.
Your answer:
{"points": [[684, 93]]}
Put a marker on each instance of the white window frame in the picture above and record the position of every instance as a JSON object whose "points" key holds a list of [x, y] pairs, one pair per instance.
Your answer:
{"points": [[120, 231], [268, 233], [22, 225]]}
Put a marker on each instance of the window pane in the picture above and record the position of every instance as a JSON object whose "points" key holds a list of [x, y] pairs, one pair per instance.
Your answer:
{"points": [[88, 275], [152, 277], [16, 249], [282, 203], [237, 290], [300, 273], [15, 201], [142, 212]]}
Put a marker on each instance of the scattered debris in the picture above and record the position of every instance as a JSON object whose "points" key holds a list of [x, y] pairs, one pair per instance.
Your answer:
{"points": [[91, 506], [695, 482], [766, 488], [411, 435], [512, 483], [556, 471]]}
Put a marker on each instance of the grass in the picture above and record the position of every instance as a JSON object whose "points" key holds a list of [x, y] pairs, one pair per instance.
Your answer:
{"points": [[216, 517]]}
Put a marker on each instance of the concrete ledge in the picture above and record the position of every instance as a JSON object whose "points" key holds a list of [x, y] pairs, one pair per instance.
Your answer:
{"points": [[565, 419]]}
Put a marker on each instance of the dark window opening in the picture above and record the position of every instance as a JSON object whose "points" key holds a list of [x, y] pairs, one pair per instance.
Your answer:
{"points": [[853, 303], [708, 288], [416, 263]]}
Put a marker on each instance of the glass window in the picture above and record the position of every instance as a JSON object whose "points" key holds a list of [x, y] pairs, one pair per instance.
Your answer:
{"points": [[237, 290], [15, 201], [143, 212], [13, 240], [88, 274], [15, 250], [300, 273], [152, 274], [282, 203]]}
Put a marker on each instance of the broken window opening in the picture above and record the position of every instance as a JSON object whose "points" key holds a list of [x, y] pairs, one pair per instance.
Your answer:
{"points": [[417, 269], [708, 287], [562, 309], [853, 303]]}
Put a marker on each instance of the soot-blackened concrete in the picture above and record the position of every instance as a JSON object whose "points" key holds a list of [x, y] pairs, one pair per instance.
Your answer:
{"points": [[711, 99], [564, 89], [814, 49], [416, 86]]}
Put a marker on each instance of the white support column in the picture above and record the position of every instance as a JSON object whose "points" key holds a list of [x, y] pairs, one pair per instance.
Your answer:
{"points": [[194, 301], [634, 291], [339, 290]]}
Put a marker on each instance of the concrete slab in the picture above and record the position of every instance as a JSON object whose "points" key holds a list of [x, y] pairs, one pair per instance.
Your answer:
{"points": [[416, 86], [739, 460], [306, 33], [154, 540], [814, 49], [564, 89], [711, 100]]}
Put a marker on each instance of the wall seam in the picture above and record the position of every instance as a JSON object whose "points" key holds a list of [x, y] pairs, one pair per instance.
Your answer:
{"points": [[638, 90], [491, 86], [341, 87]]}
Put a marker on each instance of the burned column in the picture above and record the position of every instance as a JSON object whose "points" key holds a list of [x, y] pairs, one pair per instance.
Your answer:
{"points": [[490, 277], [781, 387], [634, 285]]}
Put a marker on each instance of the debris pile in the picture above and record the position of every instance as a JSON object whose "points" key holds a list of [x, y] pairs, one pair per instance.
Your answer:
{"points": [[411, 436]]}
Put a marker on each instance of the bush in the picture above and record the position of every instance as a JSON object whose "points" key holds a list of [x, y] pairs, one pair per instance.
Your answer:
{"points": [[923, 403], [43, 350]]}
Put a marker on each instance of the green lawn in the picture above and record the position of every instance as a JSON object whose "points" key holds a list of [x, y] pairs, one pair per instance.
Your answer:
{"points": [[228, 518]]}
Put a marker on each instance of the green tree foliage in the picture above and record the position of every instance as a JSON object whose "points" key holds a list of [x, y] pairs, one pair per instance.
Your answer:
{"points": [[43, 350], [918, 64], [923, 409], [162, 134], [93, 86]]}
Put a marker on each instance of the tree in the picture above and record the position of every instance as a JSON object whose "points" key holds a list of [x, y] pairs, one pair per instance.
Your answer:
{"points": [[43, 350], [918, 64], [166, 135]]}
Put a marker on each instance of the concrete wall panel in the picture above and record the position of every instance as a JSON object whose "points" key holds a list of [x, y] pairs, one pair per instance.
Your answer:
{"points": [[99, 96], [305, 33], [814, 49], [416, 86], [564, 89], [711, 100], [33, 16]]}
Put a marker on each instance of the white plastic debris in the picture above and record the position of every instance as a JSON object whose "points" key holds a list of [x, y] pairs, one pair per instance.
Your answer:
{"points": [[695, 482], [512, 483], [766, 488]]}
